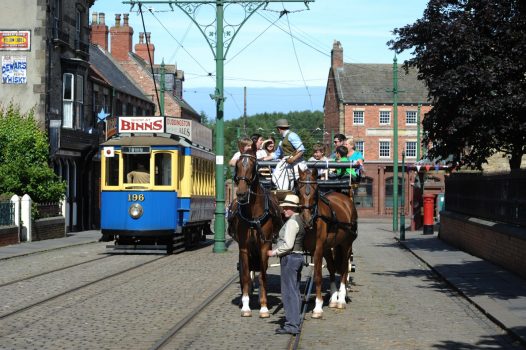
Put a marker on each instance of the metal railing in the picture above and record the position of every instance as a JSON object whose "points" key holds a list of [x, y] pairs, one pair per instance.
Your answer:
{"points": [[496, 197], [7, 214]]}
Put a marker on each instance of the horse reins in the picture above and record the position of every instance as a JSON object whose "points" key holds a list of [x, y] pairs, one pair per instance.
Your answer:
{"points": [[254, 223]]}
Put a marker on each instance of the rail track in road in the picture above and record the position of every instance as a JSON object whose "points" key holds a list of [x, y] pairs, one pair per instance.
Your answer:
{"points": [[71, 290]]}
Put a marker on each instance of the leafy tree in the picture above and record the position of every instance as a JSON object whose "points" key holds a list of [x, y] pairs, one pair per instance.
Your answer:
{"points": [[24, 158], [472, 56]]}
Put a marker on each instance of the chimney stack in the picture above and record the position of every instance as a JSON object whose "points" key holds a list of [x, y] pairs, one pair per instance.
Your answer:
{"points": [[121, 38], [141, 49], [99, 31], [337, 55]]}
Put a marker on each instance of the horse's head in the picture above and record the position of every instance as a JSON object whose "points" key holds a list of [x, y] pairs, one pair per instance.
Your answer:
{"points": [[308, 194], [245, 176]]}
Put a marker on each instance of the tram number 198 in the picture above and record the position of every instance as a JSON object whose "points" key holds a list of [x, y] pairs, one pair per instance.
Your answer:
{"points": [[134, 197]]}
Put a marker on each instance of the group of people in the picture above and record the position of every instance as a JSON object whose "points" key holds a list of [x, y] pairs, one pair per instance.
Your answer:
{"points": [[290, 152], [289, 247]]}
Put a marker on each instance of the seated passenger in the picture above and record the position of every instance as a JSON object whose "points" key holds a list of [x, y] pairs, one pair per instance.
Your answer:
{"points": [[319, 155], [244, 145], [356, 157], [139, 176]]}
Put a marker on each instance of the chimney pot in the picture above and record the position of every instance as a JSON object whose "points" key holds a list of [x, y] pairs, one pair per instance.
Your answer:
{"points": [[141, 38], [125, 20], [117, 20], [102, 18], [94, 18]]}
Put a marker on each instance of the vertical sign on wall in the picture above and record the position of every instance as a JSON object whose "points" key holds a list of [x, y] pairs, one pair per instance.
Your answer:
{"points": [[14, 70]]}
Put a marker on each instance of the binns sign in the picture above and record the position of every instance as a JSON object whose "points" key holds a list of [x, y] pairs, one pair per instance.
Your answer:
{"points": [[141, 124]]}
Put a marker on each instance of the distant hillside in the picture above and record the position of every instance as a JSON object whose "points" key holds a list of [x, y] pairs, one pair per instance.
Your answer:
{"points": [[259, 100]]}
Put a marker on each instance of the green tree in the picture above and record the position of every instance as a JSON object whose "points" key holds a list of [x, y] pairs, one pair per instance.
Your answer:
{"points": [[472, 56], [24, 167]]}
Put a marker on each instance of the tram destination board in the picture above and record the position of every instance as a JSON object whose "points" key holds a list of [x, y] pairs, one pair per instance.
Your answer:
{"points": [[135, 149]]}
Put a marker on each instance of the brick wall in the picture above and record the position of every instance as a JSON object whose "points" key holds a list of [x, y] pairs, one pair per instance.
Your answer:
{"points": [[502, 244], [8, 235], [48, 228]]}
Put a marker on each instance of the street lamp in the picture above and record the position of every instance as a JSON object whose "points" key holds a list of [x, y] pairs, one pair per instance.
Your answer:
{"points": [[402, 194]]}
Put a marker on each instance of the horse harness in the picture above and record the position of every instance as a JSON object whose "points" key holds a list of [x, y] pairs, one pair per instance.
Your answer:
{"points": [[254, 223]]}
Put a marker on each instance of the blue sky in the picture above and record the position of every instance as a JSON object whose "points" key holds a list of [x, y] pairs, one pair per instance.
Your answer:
{"points": [[284, 61]]}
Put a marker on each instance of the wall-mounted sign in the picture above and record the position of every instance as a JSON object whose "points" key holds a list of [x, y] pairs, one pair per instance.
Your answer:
{"points": [[14, 70], [15, 40]]}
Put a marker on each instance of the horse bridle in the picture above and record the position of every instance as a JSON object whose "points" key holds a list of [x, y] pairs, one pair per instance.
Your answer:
{"points": [[314, 207], [244, 158], [259, 221]]}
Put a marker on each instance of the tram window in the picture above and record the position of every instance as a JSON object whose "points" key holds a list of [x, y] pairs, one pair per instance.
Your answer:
{"points": [[136, 168], [112, 171], [163, 169]]}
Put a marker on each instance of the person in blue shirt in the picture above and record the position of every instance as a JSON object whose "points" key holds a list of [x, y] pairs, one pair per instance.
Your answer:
{"points": [[290, 151], [354, 156]]}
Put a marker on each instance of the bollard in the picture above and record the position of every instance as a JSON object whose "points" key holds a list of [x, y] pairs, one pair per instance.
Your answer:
{"points": [[429, 206], [16, 202], [25, 216]]}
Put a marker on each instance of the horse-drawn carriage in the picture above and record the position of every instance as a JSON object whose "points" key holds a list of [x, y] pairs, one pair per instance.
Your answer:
{"points": [[255, 220]]}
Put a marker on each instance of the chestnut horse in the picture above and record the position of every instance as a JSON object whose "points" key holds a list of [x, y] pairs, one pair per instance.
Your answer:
{"points": [[331, 228], [254, 221]]}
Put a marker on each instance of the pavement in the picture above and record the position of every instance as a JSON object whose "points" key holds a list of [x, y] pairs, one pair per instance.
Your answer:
{"points": [[498, 293]]}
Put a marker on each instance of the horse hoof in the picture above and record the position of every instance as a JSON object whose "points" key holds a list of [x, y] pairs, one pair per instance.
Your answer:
{"points": [[246, 313], [317, 315], [333, 305], [264, 315], [341, 306]]}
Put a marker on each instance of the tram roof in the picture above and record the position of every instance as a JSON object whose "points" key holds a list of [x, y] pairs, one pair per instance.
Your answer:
{"points": [[141, 141]]}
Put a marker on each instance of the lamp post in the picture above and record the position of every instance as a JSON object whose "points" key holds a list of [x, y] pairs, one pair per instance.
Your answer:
{"points": [[402, 194]]}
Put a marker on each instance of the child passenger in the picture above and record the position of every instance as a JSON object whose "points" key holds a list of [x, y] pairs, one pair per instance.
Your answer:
{"points": [[319, 155], [244, 145]]}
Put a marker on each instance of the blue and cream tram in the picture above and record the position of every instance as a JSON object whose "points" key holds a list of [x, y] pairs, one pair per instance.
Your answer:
{"points": [[157, 183]]}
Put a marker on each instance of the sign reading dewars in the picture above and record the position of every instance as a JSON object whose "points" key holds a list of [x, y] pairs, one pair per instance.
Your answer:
{"points": [[139, 125], [15, 40]]}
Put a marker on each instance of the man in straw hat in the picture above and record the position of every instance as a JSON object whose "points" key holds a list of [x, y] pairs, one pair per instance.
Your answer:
{"points": [[290, 150], [290, 250]]}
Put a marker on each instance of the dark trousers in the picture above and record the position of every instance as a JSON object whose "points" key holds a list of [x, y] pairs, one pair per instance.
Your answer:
{"points": [[291, 266]]}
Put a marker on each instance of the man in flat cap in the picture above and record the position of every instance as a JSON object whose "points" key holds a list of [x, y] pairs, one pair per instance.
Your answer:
{"points": [[290, 150]]}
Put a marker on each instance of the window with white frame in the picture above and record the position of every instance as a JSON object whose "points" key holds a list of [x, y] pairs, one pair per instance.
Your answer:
{"points": [[410, 149], [358, 117], [385, 117], [72, 100], [410, 117], [67, 100], [384, 149], [359, 146]]}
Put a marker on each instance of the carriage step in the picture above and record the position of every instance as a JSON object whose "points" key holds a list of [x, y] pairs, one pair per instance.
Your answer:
{"points": [[136, 249]]}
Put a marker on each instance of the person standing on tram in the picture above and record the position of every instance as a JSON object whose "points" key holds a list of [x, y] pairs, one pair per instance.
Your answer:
{"points": [[139, 175]]}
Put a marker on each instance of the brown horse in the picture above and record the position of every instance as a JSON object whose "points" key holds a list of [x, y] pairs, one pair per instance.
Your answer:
{"points": [[254, 221], [331, 228]]}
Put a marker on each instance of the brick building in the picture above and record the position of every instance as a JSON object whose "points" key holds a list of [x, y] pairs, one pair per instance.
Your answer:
{"points": [[52, 79], [359, 104], [137, 65]]}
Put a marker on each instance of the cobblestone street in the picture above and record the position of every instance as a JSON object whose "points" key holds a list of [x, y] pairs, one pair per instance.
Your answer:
{"points": [[397, 303]]}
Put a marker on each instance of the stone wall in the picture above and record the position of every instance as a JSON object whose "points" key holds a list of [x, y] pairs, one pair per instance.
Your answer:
{"points": [[48, 228], [502, 244], [8, 235]]}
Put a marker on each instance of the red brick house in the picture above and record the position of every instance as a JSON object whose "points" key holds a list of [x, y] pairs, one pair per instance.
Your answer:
{"points": [[359, 103], [137, 65]]}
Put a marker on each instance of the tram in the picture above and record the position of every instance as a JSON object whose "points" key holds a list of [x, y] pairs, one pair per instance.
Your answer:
{"points": [[157, 183]]}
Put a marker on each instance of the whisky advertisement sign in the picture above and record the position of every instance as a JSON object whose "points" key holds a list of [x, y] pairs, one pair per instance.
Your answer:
{"points": [[14, 70]]}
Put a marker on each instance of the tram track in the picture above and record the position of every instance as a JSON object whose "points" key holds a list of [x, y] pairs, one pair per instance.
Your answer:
{"points": [[195, 312], [72, 290], [52, 271]]}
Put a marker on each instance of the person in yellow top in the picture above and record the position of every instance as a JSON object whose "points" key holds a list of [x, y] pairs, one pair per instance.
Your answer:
{"points": [[139, 176]]}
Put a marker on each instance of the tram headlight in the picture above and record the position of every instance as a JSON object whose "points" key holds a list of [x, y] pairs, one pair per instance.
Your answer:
{"points": [[135, 210]]}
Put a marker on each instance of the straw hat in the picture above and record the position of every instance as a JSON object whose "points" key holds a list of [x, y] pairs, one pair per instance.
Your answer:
{"points": [[282, 123], [265, 143], [291, 200]]}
